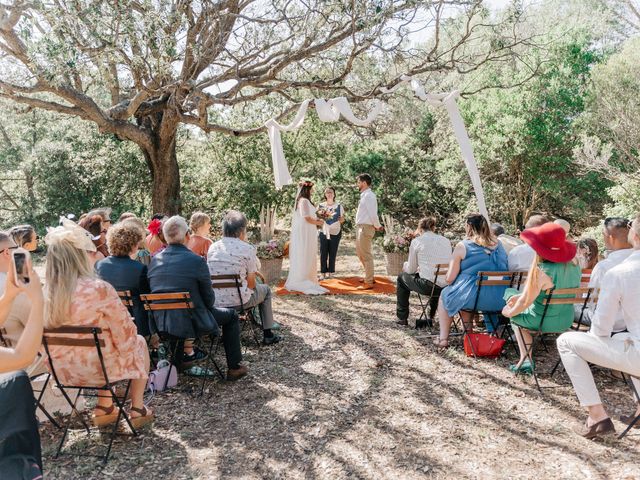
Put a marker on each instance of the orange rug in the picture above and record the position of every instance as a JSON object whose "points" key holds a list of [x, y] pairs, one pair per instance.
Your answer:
{"points": [[348, 286]]}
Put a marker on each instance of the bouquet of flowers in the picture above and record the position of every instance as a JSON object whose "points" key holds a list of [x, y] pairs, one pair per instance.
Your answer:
{"points": [[271, 249], [398, 242], [324, 213]]}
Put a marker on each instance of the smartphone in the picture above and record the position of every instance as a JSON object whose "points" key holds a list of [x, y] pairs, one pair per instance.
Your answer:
{"points": [[21, 266]]}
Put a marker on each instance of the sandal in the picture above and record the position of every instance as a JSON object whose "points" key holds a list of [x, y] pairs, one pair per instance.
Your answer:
{"points": [[146, 416], [110, 415], [441, 343], [526, 367]]}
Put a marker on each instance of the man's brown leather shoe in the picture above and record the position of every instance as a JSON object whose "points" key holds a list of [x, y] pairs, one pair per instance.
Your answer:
{"points": [[234, 374], [603, 427]]}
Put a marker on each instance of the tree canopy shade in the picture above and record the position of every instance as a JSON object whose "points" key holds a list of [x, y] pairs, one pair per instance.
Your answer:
{"points": [[139, 69]]}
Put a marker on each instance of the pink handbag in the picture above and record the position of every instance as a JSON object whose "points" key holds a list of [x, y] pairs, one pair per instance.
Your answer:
{"points": [[164, 376]]}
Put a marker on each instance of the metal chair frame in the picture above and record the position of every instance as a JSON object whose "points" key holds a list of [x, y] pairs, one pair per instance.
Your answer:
{"points": [[92, 339], [441, 269], [246, 316]]}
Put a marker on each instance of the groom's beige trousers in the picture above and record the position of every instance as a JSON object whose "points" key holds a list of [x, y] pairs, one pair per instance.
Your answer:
{"points": [[364, 239]]}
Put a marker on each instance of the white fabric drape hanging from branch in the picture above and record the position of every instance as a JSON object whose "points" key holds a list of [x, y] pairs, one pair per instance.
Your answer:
{"points": [[331, 110]]}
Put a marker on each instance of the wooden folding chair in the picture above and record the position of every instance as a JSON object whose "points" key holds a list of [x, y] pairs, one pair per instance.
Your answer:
{"points": [[246, 317], [37, 394], [424, 320], [561, 296], [585, 277], [85, 337], [158, 302]]}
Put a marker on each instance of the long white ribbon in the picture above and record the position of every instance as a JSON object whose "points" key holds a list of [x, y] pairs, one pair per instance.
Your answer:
{"points": [[280, 168], [331, 110]]}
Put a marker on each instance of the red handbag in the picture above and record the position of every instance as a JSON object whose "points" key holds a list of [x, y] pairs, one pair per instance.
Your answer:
{"points": [[484, 345]]}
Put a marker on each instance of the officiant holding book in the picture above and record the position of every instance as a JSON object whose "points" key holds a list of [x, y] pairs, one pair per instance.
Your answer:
{"points": [[332, 213], [367, 223]]}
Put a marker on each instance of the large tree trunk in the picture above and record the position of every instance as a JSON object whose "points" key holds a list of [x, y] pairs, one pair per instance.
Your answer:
{"points": [[163, 164]]}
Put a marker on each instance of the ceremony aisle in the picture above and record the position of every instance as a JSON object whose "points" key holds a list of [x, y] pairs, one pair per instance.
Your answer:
{"points": [[349, 394]]}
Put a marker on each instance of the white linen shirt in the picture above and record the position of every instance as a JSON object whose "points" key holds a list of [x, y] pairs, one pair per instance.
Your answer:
{"points": [[521, 258], [425, 252], [367, 213], [597, 275], [232, 256], [619, 293]]}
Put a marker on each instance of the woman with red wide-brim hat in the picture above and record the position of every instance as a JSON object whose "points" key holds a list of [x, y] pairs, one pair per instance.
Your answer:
{"points": [[553, 267]]}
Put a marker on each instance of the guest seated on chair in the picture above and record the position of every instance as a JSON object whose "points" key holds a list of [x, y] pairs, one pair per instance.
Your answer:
{"points": [[199, 241], [480, 252], [17, 317], [232, 255], [507, 241], [20, 451], [552, 268], [522, 256], [619, 297], [155, 240], [616, 240], [178, 269], [124, 273], [587, 256], [93, 225], [77, 298], [25, 236], [426, 251]]}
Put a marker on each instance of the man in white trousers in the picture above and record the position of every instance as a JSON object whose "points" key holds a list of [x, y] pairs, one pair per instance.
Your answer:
{"points": [[619, 297], [367, 223]]}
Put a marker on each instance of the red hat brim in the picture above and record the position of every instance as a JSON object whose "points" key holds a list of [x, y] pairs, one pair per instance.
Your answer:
{"points": [[564, 254]]}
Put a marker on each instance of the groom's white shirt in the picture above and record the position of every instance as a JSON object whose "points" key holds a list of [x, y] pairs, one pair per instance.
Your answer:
{"points": [[367, 213]]}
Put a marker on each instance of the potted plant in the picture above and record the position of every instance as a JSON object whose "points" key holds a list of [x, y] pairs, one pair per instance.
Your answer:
{"points": [[271, 254]]}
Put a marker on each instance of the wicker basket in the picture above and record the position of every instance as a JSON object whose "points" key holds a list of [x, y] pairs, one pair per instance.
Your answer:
{"points": [[271, 269], [395, 261]]}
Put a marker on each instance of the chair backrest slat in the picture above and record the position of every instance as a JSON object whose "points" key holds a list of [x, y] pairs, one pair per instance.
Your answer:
{"points": [[79, 330], [229, 276], [74, 342], [569, 296], [182, 305], [152, 297], [494, 279]]}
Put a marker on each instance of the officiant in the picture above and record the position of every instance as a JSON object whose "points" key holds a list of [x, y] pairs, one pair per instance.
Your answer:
{"points": [[332, 213]]}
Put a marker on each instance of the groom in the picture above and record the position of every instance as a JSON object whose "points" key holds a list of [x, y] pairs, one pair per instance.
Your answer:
{"points": [[366, 225]]}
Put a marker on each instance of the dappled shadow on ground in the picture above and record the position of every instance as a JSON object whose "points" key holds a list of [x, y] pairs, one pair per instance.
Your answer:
{"points": [[351, 395]]}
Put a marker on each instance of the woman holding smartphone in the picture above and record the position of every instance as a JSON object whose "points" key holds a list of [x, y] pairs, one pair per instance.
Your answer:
{"points": [[331, 232], [20, 452]]}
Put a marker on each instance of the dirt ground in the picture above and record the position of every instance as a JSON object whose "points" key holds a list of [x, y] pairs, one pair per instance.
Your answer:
{"points": [[349, 394]]}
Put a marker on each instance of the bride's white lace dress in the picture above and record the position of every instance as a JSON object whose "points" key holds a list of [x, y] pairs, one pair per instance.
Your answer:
{"points": [[303, 252]]}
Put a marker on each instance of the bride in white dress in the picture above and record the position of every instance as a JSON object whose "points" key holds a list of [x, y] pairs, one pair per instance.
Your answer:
{"points": [[303, 246]]}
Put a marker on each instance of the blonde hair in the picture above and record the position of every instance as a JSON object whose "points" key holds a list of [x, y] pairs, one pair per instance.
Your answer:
{"points": [[198, 219], [65, 265]]}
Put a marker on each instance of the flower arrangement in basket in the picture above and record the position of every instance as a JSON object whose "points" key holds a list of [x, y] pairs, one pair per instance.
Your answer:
{"points": [[269, 250], [398, 242], [395, 244], [396, 239]]}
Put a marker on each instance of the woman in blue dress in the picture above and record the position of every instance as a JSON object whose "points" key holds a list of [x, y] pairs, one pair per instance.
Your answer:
{"points": [[479, 252]]}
